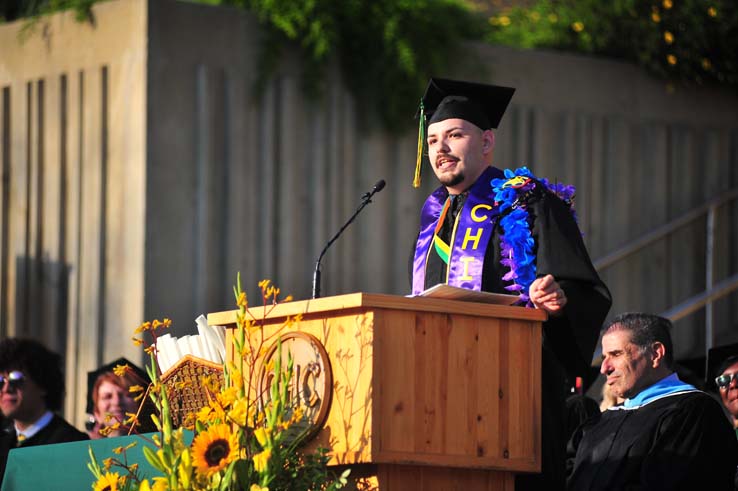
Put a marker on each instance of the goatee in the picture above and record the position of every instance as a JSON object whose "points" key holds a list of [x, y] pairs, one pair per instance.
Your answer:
{"points": [[453, 180]]}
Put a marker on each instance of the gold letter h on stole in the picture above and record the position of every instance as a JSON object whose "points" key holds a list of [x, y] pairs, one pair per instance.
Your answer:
{"points": [[475, 243]]}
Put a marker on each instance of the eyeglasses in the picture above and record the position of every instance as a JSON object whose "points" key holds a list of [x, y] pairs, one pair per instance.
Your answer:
{"points": [[15, 379], [723, 381]]}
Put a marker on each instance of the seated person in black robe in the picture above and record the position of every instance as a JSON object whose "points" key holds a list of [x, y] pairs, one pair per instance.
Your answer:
{"points": [[723, 373], [31, 389], [667, 435], [527, 243]]}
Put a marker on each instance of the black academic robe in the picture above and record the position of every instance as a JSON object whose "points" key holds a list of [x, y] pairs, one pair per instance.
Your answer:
{"points": [[569, 340], [57, 431], [679, 442]]}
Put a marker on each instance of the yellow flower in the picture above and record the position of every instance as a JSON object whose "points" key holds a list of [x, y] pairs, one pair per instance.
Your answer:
{"points": [[135, 388], [242, 301], [256, 487], [261, 460], [204, 414], [261, 435], [297, 415], [712, 12], [553, 18], [577, 26], [121, 370], [143, 327], [668, 4], [214, 449], [706, 64], [185, 469], [239, 411], [137, 341], [504, 20], [107, 482], [160, 484], [668, 37], [227, 396], [237, 379], [671, 59]]}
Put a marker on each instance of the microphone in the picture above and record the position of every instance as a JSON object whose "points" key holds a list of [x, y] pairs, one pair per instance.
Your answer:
{"points": [[365, 200]]}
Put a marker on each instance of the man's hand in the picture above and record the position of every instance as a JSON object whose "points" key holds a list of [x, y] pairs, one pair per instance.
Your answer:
{"points": [[547, 294]]}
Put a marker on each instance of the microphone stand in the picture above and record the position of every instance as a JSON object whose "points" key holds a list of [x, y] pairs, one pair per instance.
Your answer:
{"points": [[365, 200]]}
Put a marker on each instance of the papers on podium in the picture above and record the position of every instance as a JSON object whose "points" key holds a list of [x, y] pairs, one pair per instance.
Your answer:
{"points": [[449, 292]]}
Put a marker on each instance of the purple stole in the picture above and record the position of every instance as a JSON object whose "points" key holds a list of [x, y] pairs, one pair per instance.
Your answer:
{"points": [[471, 235]]}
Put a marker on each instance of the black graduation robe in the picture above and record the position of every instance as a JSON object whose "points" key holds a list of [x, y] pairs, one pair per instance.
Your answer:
{"points": [[679, 442], [57, 431], [569, 340]]}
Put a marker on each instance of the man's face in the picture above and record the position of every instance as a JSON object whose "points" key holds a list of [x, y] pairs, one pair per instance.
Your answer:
{"points": [[23, 402], [459, 152], [729, 395], [628, 370]]}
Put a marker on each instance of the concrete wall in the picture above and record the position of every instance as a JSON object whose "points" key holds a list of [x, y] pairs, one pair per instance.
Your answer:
{"points": [[74, 174], [140, 173]]}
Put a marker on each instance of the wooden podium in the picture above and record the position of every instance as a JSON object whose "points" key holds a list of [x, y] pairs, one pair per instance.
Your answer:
{"points": [[432, 394]]}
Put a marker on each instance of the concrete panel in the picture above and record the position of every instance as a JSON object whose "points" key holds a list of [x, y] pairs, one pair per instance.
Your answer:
{"points": [[57, 195]]}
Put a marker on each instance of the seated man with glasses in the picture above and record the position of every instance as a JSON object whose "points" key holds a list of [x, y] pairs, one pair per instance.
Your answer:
{"points": [[31, 390], [665, 435], [727, 384]]}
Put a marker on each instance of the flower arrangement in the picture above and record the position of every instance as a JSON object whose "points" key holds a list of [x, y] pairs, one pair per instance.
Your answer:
{"points": [[241, 439], [517, 246]]}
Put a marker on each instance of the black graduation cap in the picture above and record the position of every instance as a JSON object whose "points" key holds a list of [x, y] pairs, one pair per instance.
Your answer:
{"points": [[93, 375], [718, 359], [481, 104]]}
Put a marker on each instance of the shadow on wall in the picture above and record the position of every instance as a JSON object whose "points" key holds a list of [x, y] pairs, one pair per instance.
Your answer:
{"points": [[42, 301]]}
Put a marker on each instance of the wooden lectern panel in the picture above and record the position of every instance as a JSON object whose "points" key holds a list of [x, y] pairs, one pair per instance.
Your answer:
{"points": [[457, 390], [425, 381]]}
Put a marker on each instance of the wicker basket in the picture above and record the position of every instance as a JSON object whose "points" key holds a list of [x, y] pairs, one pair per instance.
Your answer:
{"points": [[185, 391]]}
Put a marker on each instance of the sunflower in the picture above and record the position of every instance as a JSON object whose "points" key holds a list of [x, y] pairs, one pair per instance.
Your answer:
{"points": [[214, 449], [107, 482]]}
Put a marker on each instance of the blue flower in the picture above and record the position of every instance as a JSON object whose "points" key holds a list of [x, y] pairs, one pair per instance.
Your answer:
{"points": [[516, 242]]}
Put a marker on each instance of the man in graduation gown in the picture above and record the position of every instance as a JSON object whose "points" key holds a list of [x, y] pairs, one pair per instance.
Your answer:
{"points": [[489, 230], [32, 388], [667, 435], [722, 375]]}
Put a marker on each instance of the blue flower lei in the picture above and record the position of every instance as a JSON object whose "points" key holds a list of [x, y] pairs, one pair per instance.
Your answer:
{"points": [[516, 242]]}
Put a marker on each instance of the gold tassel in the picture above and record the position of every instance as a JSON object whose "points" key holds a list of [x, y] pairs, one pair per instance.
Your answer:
{"points": [[421, 145]]}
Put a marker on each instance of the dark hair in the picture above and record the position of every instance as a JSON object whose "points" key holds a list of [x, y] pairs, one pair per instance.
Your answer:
{"points": [[645, 329], [35, 361]]}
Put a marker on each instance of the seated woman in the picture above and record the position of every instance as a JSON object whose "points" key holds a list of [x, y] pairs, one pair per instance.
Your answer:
{"points": [[110, 403]]}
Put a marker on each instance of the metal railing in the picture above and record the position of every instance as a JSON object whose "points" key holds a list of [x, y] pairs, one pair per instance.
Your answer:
{"points": [[712, 291]]}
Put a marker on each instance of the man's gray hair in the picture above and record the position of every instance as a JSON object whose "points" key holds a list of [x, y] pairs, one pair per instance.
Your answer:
{"points": [[645, 329]]}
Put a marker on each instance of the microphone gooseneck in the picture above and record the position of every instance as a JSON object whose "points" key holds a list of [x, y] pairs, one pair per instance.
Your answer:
{"points": [[365, 200]]}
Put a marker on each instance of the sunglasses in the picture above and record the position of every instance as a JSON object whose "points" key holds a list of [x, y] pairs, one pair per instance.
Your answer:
{"points": [[14, 379], [723, 381]]}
